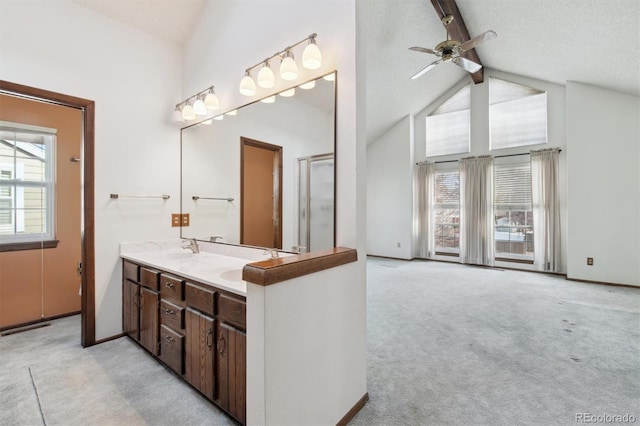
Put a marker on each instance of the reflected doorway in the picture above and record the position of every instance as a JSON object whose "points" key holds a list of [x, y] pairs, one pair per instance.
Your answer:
{"points": [[260, 194]]}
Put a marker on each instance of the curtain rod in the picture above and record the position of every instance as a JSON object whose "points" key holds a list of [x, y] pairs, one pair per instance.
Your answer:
{"points": [[497, 156]]}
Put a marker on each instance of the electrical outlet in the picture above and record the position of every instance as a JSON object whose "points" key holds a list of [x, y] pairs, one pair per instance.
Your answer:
{"points": [[185, 219], [175, 220], [590, 261]]}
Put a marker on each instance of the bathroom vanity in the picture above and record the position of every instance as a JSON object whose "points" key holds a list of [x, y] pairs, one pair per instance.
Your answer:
{"points": [[195, 324]]}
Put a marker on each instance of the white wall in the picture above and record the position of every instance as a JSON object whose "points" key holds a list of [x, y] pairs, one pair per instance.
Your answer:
{"points": [[390, 192], [134, 80], [228, 40], [603, 140]]}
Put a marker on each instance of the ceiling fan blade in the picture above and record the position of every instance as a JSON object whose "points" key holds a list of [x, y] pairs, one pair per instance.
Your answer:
{"points": [[485, 36], [425, 69], [466, 64], [424, 50]]}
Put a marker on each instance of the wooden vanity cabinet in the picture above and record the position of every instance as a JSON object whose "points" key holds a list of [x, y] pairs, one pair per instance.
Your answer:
{"points": [[200, 332]]}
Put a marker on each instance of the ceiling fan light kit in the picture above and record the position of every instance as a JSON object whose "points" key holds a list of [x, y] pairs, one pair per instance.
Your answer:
{"points": [[451, 50]]}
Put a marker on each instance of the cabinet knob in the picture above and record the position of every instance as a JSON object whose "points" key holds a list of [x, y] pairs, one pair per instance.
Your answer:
{"points": [[210, 334], [169, 285], [222, 345], [169, 339], [169, 312]]}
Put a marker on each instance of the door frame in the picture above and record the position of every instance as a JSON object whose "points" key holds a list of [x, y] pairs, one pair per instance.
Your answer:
{"points": [[88, 302], [277, 191]]}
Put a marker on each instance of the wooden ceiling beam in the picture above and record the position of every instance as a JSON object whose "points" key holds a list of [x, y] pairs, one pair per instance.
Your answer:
{"points": [[458, 31]]}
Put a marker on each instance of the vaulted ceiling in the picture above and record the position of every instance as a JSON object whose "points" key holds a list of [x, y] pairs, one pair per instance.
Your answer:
{"points": [[589, 41]]}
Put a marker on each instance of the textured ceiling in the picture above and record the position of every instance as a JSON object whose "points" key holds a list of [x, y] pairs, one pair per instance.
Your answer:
{"points": [[589, 41], [169, 20]]}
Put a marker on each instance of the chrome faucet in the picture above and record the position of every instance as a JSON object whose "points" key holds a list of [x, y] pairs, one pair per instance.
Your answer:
{"points": [[215, 238], [298, 249], [273, 252], [191, 244]]}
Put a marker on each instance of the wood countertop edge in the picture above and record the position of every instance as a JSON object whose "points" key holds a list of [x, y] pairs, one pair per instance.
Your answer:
{"points": [[273, 271]]}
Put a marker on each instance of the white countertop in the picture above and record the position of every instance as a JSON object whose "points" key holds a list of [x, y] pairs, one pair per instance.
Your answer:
{"points": [[221, 271]]}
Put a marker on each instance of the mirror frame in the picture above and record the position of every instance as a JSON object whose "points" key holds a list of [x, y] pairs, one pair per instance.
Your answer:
{"points": [[335, 156]]}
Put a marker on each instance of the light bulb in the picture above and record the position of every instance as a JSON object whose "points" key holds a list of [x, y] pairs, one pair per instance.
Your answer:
{"points": [[266, 78], [311, 57], [187, 112], [247, 86], [177, 116], [288, 67], [310, 85], [233, 112], [269, 100], [219, 117], [288, 93], [330, 77], [211, 102], [199, 108]]}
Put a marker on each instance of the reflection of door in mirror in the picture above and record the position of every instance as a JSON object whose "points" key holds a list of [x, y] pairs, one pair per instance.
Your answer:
{"points": [[260, 194], [316, 177]]}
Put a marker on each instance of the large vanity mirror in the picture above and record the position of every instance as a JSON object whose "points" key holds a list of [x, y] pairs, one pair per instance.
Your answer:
{"points": [[264, 174]]}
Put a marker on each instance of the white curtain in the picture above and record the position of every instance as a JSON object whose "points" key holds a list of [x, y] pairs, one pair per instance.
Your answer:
{"points": [[476, 211], [546, 209], [424, 244]]}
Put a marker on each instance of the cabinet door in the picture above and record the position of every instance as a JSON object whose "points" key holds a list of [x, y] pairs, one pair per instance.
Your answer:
{"points": [[231, 358], [130, 310], [199, 337], [149, 320]]}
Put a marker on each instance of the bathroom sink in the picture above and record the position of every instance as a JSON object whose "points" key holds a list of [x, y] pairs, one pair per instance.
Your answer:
{"points": [[232, 275]]}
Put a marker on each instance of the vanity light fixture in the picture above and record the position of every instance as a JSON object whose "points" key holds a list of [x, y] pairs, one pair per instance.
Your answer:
{"points": [[199, 104], [207, 122], [311, 59], [177, 115], [288, 93], [269, 100], [330, 77], [309, 85], [219, 117], [232, 112]]}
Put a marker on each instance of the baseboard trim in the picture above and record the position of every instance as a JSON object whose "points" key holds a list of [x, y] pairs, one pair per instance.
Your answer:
{"points": [[390, 257], [354, 410], [108, 339], [602, 283], [25, 324]]}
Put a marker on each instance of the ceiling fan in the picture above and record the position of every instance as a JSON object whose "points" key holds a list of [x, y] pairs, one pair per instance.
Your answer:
{"points": [[451, 50]]}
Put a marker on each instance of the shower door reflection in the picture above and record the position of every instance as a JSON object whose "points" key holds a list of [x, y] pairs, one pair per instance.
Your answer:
{"points": [[316, 202]]}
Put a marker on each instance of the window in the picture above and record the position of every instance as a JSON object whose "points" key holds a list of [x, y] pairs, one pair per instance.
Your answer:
{"points": [[513, 211], [447, 212], [448, 125], [517, 115], [26, 185]]}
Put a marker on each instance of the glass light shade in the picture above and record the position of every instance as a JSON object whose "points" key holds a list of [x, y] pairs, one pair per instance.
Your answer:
{"points": [[311, 57], [269, 100], [219, 117], [233, 112], [266, 78], [177, 116], [211, 102], [199, 108], [207, 122], [248, 86], [330, 77], [187, 112], [288, 93], [309, 85], [288, 69]]}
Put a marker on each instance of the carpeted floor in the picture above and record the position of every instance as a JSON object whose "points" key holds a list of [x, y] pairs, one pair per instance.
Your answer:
{"points": [[448, 345]]}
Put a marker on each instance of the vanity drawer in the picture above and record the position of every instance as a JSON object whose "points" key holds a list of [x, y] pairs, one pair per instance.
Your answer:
{"points": [[232, 310], [200, 298], [172, 315], [130, 271], [171, 287], [149, 278], [172, 349]]}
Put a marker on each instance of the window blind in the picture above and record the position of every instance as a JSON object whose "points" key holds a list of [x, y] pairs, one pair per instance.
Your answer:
{"points": [[517, 115], [512, 185], [448, 126]]}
